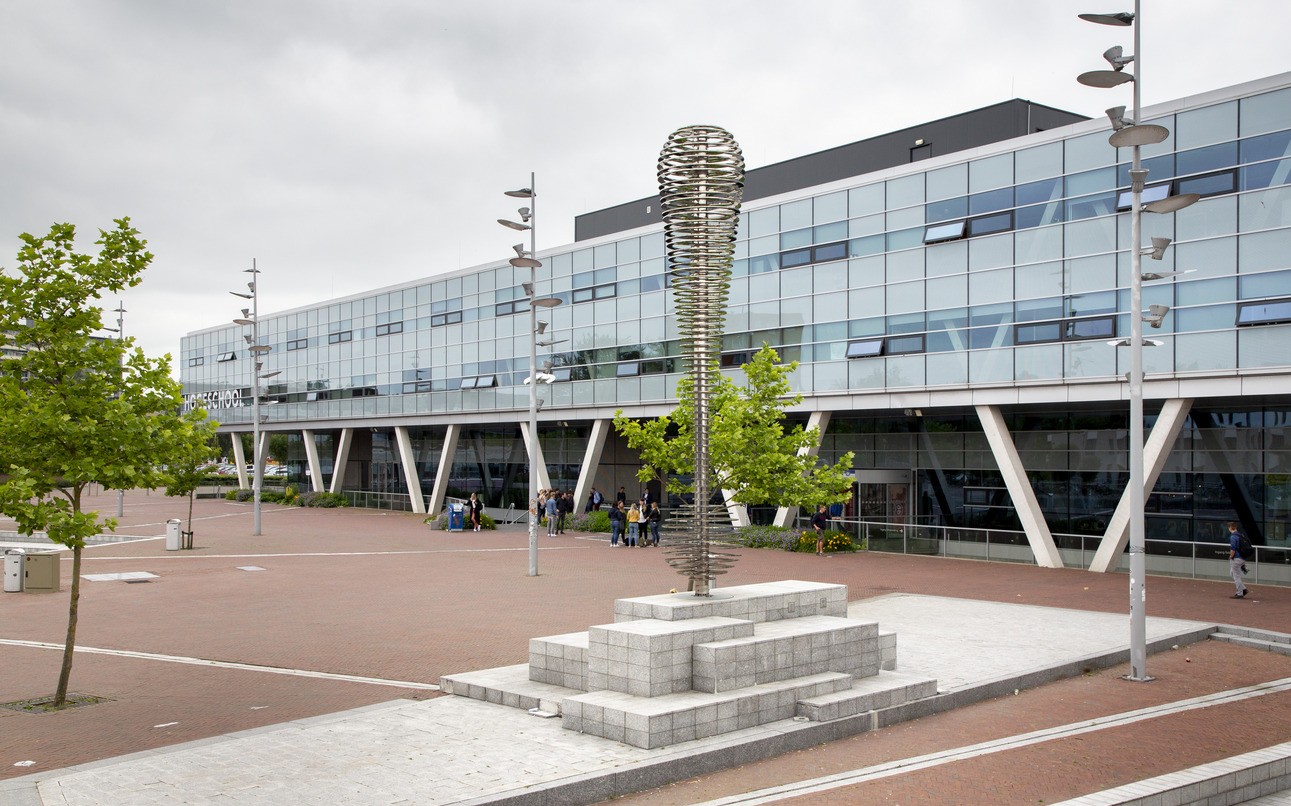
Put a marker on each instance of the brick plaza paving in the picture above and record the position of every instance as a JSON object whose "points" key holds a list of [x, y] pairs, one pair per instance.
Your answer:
{"points": [[369, 597]]}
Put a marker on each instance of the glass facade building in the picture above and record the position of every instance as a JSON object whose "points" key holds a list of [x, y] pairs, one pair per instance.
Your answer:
{"points": [[927, 303]]}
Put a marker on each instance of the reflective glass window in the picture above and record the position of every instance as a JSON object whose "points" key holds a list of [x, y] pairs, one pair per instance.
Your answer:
{"points": [[1000, 222], [1266, 147], [990, 253], [946, 208], [1210, 158], [1266, 312], [1038, 215], [865, 349], [827, 233], [865, 200], [830, 207], [860, 247], [944, 183], [1037, 163], [1266, 174], [899, 345], [944, 232], [1035, 192], [795, 215], [1209, 184], [905, 191], [1268, 112], [1211, 124], [795, 239], [990, 201], [764, 222], [991, 172], [1088, 151]]}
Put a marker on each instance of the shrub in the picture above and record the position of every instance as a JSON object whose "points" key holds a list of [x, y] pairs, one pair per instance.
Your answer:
{"points": [[588, 522], [768, 537], [323, 500], [835, 542], [241, 495]]}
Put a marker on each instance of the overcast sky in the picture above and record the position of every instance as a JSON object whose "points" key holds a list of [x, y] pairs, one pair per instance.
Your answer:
{"points": [[353, 144]]}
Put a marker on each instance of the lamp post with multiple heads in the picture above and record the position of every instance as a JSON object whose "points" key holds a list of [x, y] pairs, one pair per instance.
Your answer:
{"points": [[120, 330], [251, 318], [528, 259], [1134, 135]]}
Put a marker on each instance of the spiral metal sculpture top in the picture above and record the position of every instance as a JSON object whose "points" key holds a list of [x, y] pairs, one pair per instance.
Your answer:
{"points": [[701, 184]]}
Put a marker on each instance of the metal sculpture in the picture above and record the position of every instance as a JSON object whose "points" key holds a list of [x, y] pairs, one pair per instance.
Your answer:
{"points": [[701, 183]]}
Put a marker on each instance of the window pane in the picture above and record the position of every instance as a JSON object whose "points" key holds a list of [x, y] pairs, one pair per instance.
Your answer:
{"points": [[1210, 185], [1039, 162], [832, 207], [1266, 113], [905, 191], [992, 172], [1209, 158], [946, 208], [943, 183], [795, 215], [990, 201], [865, 200], [1212, 124]]}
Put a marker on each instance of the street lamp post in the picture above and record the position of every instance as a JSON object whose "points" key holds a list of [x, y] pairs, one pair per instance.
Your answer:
{"points": [[1134, 134], [251, 317], [121, 337], [529, 221]]}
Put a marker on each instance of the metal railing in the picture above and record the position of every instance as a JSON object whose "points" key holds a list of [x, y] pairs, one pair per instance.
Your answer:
{"points": [[1271, 566]]}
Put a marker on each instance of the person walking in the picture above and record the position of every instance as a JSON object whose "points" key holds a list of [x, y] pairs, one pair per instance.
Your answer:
{"points": [[634, 525], [616, 525], [597, 499], [553, 512], [821, 521], [1238, 547], [654, 518]]}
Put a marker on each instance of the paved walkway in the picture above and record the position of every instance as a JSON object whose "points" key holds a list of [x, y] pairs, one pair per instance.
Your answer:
{"points": [[370, 595]]}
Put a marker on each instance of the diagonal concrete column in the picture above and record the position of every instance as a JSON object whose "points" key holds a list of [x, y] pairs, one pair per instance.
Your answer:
{"points": [[1156, 450], [544, 480], [738, 512], [819, 420], [591, 462], [408, 463], [240, 460], [445, 470], [263, 452], [1019, 486], [342, 459], [311, 456]]}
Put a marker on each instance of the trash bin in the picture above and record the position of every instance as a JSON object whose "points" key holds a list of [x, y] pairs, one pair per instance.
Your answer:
{"points": [[43, 572], [456, 517], [173, 541], [15, 570]]}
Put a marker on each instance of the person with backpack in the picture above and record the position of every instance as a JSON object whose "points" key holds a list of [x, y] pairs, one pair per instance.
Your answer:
{"points": [[617, 519], [1239, 551]]}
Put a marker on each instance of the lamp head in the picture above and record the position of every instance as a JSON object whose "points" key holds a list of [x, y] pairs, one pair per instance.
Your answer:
{"points": [[519, 250], [528, 289], [240, 294], [1159, 245], [525, 214], [1156, 314], [1116, 58], [542, 327], [1137, 177], [522, 193], [1117, 115], [1120, 18], [514, 224]]}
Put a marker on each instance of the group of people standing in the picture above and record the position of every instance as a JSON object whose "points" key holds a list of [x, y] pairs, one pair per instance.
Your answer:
{"points": [[637, 524], [556, 505]]}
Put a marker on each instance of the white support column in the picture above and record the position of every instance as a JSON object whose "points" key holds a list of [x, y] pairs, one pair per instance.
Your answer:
{"points": [[819, 420], [738, 512], [342, 459], [591, 462], [1019, 486], [311, 457], [240, 460], [1156, 450], [544, 480], [440, 490], [263, 451], [408, 462]]}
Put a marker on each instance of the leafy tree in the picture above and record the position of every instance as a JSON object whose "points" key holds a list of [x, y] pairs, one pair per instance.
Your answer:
{"points": [[186, 473], [750, 451], [76, 408]]}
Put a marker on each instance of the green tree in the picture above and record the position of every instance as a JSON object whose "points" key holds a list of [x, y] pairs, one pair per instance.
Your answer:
{"points": [[186, 473], [751, 452], [75, 408]]}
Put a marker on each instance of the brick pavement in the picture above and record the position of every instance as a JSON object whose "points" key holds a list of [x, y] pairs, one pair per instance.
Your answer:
{"points": [[411, 607]]}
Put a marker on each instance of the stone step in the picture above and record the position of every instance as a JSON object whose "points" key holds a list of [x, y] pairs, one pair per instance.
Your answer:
{"points": [[649, 657], [888, 650], [507, 685], [782, 650], [1251, 632], [650, 722], [560, 660], [1279, 647], [766, 601], [884, 690]]}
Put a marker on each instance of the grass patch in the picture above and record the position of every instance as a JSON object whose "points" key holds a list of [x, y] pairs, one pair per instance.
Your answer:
{"points": [[45, 705]]}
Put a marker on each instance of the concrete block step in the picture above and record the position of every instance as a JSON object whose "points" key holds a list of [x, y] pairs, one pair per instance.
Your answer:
{"points": [[560, 660], [507, 685], [885, 690], [782, 650], [1253, 632], [888, 648], [650, 722], [1254, 643], [765, 601]]}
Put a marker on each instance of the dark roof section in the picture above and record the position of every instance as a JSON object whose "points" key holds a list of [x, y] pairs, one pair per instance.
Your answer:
{"points": [[990, 124]]}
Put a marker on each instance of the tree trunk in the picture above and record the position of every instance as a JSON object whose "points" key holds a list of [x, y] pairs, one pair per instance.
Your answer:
{"points": [[191, 494], [65, 674]]}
